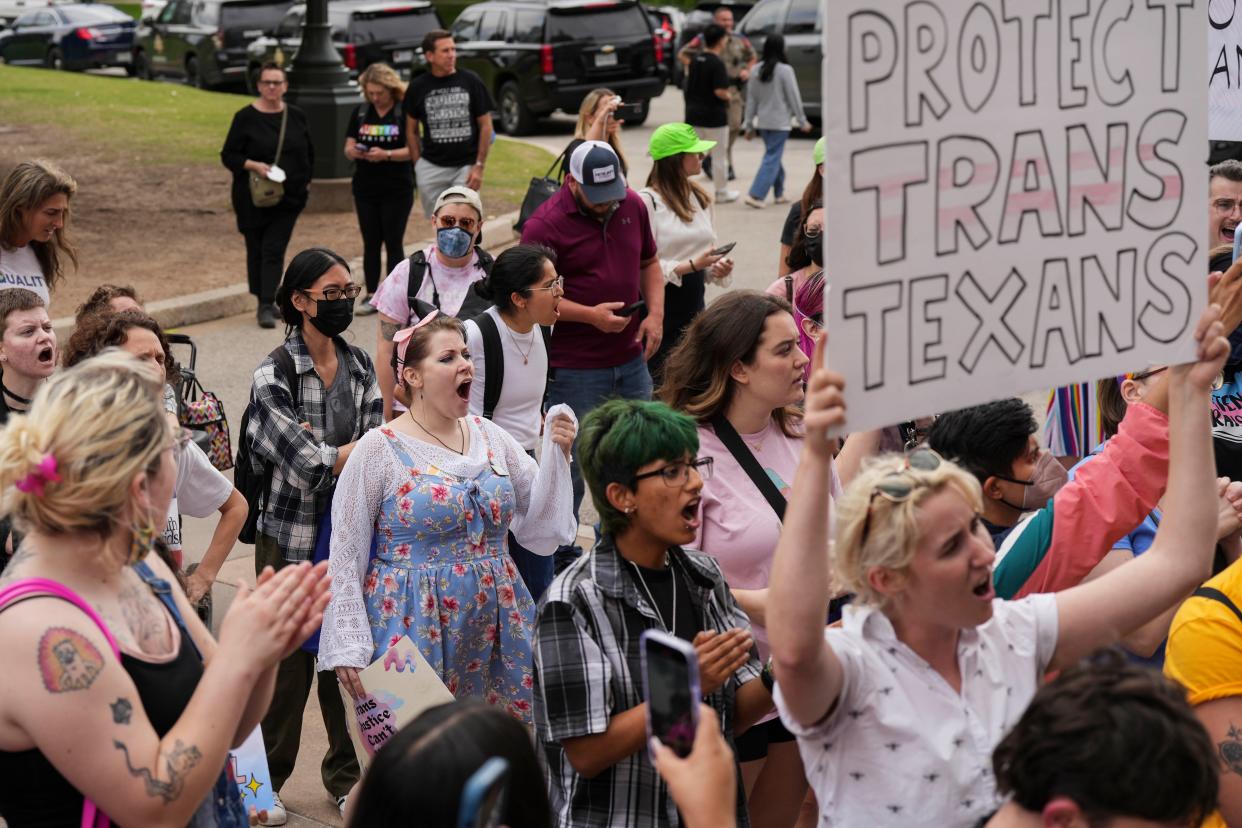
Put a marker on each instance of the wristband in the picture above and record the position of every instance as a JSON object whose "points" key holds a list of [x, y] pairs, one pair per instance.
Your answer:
{"points": [[479, 164]]}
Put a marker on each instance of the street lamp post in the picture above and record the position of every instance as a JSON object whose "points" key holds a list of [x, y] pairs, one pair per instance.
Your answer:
{"points": [[321, 86]]}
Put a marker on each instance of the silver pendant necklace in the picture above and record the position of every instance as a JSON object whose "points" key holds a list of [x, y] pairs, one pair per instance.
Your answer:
{"points": [[654, 606]]}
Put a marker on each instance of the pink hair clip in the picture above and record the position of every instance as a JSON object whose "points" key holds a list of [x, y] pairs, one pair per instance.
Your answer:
{"points": [[42, 474], [401, 338]]}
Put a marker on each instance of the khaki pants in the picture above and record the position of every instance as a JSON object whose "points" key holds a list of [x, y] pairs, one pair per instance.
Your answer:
{"points": [[282, 726]]}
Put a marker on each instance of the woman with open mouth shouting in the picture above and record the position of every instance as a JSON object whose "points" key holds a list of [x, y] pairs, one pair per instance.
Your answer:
{"points": [[420, 527], [898, 711]]}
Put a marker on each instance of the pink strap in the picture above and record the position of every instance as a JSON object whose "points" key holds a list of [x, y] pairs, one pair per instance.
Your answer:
{"points": [[92, 817]]}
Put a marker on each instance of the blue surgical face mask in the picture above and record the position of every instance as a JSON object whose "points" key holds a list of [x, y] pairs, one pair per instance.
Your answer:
{"points": [[453, 242]]}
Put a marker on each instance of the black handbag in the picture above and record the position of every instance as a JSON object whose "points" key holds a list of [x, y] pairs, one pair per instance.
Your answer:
{"points": [[539, 191]]}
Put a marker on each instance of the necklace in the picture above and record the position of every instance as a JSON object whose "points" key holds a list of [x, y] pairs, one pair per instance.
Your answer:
{"points": [[461, 450], [14, 397], [643, 582], [530, 346]]}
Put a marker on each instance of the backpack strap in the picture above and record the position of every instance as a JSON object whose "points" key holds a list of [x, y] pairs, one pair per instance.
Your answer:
{"points": [[417, 271], [1216, 595], [493, 362], [163, 591], [733, 442]]}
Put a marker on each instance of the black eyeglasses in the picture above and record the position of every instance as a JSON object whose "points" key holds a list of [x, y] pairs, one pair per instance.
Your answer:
{"points": [[678, 474], [898, 485], [331, 294]]}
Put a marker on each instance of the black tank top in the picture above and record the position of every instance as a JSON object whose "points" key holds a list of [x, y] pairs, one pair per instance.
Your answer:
{"points": [[33, 794]]}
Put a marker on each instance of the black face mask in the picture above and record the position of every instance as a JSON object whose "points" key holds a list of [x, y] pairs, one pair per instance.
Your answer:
{"points": [[815, 249], [333, 316]]}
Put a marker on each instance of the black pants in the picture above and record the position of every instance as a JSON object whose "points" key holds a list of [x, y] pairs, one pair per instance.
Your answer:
{"points": [[282, 726], [265, 252], [382, 220], [681, 305]]}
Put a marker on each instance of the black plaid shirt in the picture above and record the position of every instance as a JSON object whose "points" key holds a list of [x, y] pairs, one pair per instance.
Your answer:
{"points": [[588, 668], [302, 476]]}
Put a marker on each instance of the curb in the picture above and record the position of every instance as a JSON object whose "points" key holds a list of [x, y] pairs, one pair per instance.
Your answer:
{"points": [[233, 300]]}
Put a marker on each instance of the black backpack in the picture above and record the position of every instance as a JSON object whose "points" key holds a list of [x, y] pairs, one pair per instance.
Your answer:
{"points": [[494, 361], [474, 303], [254, 487]]}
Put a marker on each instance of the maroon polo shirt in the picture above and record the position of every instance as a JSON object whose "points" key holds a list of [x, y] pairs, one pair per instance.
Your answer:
{"points": [[601, 262]]}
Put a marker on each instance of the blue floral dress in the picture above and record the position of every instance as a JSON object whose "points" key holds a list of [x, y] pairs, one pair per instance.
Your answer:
{"points": [[440, 570], [457, 594]]}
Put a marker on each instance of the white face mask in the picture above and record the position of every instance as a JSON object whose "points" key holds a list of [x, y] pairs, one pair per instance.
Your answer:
{"points": [[1047, 479]]}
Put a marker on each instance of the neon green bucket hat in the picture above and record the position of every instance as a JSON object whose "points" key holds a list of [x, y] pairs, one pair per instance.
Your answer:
{"points": [[673, 139], [817, 154]]}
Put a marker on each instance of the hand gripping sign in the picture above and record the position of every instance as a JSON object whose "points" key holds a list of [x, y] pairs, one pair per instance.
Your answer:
{"points": [[1016, 195]]}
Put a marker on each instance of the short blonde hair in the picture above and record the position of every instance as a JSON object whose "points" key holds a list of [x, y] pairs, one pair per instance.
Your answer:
{"points": [[103, 421], [893, 534], [385, 76], [27, 186]]}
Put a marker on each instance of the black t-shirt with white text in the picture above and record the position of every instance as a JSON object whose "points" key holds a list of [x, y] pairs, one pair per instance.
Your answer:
{"points": [[386, 132], [703, 107], [448, 109]]}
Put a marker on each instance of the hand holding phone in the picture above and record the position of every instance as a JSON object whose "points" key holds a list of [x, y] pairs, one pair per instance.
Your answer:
{"points": [[724, 249], [630, 310], [671, 685], [629, 111]]}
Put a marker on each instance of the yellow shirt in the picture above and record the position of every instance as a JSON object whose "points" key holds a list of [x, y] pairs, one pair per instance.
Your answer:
{"points": [[1204, 653]]}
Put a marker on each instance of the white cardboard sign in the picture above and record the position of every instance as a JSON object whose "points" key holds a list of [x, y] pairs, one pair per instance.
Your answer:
{"points": [[1015, 194], [1224, 70]]}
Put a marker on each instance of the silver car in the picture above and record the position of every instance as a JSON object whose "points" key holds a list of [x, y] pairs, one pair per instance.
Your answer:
{"points": [[802, 24]]}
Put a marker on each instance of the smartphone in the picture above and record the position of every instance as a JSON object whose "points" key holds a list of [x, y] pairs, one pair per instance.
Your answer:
{"points": [[723, 249], [1237, 242], [629, 111], [630, 310], [361, 148], [484, 796], [671, 682]]}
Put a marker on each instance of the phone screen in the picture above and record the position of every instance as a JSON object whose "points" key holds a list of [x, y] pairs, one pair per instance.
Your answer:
{"points": [[629, 112], [672, 695]]}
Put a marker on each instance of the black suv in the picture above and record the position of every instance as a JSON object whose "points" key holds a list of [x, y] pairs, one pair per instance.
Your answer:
{"points": [[538, 56], [203, 42], [364, 32]]}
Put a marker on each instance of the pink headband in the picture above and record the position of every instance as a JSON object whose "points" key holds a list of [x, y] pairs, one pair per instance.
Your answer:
{"points": [[42, 474], [401, 339]]}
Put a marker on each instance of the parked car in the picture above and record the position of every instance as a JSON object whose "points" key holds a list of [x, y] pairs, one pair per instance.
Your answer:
{"points": [[666, 22], [364, 32], [538, 56], [802, 24], [10, 10], [74, 36], [203, 42]]}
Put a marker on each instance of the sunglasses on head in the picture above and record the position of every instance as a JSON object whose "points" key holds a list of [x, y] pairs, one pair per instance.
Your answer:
{"points": [[899, 484]]}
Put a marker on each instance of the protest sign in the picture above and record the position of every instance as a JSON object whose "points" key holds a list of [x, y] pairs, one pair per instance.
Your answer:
{"points": [[1015, 195], [1224, 70], [248, 768], [398, 687]]}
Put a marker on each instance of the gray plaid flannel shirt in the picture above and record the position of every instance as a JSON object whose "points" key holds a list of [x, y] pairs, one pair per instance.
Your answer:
{"points": [[302, 476], [588, 668]]}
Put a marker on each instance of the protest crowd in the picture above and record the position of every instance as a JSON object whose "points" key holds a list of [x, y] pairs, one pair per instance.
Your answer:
{"points": [[988, 617]]}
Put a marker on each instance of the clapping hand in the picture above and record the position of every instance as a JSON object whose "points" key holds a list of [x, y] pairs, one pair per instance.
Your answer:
{"points": [[720, 656]]}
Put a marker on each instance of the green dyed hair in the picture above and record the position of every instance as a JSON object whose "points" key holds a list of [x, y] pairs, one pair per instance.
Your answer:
{"points": [[620, 437]]}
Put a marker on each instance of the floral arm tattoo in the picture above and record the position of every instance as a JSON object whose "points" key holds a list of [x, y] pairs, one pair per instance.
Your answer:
{"points": [[178, 763], [1231, 750], [388, 330]]}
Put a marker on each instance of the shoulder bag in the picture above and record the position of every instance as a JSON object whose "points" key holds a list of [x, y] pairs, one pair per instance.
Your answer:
{"points": [[746, 459], [539, 191], [265, 192]]}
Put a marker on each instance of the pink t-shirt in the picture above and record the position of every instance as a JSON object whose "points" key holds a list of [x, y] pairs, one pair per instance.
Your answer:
{"points": [[451, 282], [738, 528]]}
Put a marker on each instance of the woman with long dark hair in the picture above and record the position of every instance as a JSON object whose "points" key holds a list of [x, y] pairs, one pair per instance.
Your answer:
{"points": [[34, 211], [682, 221], [268, 139], [812, 195], [772, 102]]}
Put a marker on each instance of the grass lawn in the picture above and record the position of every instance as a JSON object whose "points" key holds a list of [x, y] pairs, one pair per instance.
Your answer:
{"points": [[164, 123]]}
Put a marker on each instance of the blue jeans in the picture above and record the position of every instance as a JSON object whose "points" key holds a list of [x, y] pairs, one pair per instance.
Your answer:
{"points": [[582, 389], [771, 175]]}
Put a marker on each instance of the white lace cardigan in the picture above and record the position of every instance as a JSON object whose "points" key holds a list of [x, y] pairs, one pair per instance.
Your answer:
{"points": [[543, 517]]}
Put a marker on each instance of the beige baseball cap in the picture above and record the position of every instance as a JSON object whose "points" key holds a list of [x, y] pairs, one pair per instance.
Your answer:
{"points": [[459, 195]]}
